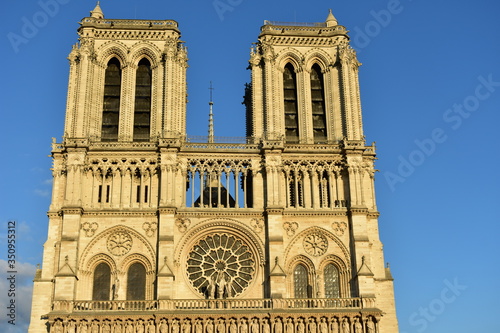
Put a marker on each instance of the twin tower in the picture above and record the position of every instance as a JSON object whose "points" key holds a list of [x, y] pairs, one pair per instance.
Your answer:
{"points": [[152, 232]]}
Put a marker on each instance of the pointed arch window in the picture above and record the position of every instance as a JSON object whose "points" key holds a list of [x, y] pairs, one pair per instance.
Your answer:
{"points": [[136, 282], [111, 101], [318, 104], [102, 282], [331, 280], [142, 106], [290, 101], [301, 282]]}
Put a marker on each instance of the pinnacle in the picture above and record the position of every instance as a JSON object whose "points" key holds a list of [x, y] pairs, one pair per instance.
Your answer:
{"points": [[331, 21], [97, 12]]}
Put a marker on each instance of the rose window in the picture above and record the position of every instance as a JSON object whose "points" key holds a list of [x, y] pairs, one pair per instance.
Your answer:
{"points": [[220, 266]]}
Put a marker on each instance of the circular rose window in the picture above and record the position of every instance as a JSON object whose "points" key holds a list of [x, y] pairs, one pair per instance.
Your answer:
{"points": [[220, 265]]}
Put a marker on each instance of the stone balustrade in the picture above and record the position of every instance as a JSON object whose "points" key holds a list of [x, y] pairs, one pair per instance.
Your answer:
{"points": [[215, 305]]}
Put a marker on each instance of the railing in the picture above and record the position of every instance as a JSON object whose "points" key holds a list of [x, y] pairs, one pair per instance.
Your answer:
{"points": [[296, 24], [217, 305]]}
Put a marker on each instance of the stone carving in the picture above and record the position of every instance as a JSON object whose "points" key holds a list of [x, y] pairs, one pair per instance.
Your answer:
{"points": [[186, 326], [151, 327], [290, 228], [315, 244], [83, 328], [339, 228], [119, 243], [210, 326], [175, 326], [243, 326], [370, 326], [257, 224], [149, 228], [90, 228], [323, 326], [301, 327], [117, 327], [358, 327], [222, 324], [278, 326], [345, 326], [57, 327], [106, 328], [71, 327], [182, 223], [335, 326], [198, 326], [94, 328], [233, 328], [129, 328], [312, 326], [220, 266], [265, 326], [254, 326], [163, 326], [289, 326]]}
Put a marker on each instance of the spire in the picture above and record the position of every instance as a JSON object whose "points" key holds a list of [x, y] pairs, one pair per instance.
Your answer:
{"points": [[211, 117], [331, 21], [97, 12]]}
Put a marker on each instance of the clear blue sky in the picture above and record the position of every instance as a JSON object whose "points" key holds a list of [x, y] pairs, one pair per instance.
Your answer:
{"points": [[430, 90]]}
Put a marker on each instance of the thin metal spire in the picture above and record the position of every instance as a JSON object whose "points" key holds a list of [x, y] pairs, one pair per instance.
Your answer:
{"points": [[211, 117]]}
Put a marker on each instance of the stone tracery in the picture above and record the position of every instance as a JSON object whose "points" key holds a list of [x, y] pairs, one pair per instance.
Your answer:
{"points": [[220, 266]]}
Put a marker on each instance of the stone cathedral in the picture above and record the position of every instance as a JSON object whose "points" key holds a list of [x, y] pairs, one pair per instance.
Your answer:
{"points": [[153, 231]]}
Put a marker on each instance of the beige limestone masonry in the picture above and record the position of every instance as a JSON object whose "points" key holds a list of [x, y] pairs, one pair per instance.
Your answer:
{"points": [[277, 234]]}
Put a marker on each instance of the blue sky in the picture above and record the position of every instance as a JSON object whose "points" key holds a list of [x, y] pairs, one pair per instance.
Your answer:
{"points": [[430, 90]]}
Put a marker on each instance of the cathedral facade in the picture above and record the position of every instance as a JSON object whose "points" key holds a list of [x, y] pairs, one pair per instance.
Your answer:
{"points": [[151, 231]]}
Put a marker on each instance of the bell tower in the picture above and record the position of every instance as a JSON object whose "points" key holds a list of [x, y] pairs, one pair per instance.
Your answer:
{"points": [[305, 84], [121, 81]]}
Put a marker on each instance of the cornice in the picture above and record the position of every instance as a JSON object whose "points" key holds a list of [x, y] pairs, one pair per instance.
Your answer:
{"points": [[222, 213], [120, 213], [312, 212]]}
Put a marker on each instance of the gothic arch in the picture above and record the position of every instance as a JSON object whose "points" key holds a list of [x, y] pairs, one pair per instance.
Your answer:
{"points": [[313, 230], [320, 57], [220, 242], [136, 257], [344, 274], [291, 56], [97, 259], [292, 266], [217, 224], [300, 259], [112, 49], [146, 50], [103, 237]]}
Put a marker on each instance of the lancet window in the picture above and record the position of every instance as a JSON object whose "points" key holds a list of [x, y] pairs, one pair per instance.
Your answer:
{"points": [[318, 104], [136, 282], [301, 282], [101, 282], [142, 106], [219, 184], [111, 101], [290, 101], [331, 281]]}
